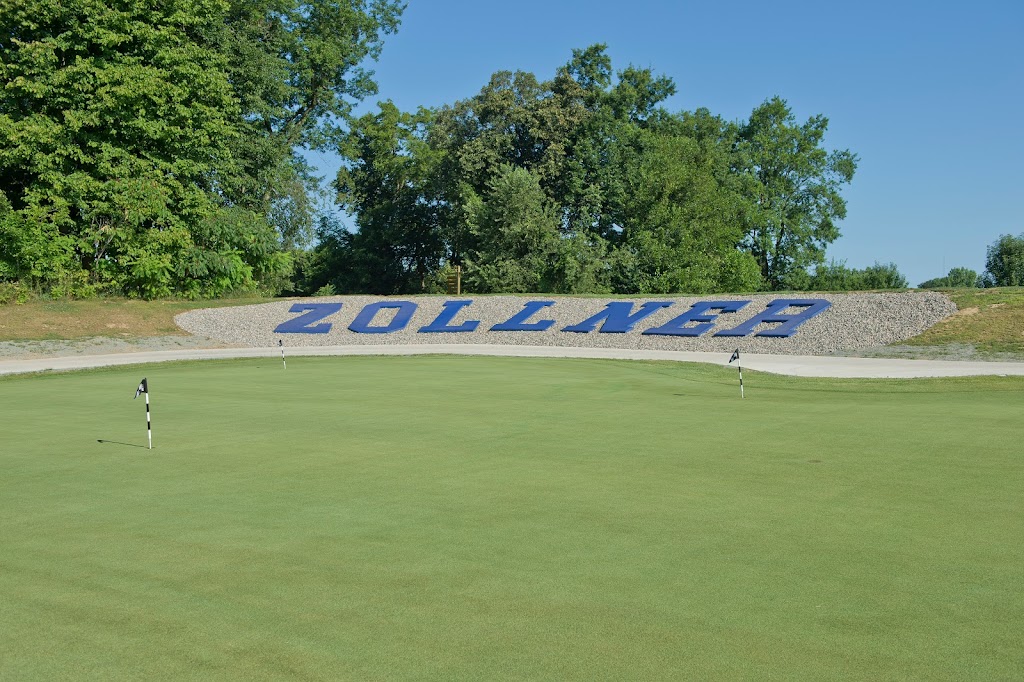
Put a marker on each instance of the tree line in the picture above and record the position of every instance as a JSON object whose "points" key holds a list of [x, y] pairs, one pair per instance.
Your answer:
{"points": [[583, 183], [157, 151], [1004, 267]]}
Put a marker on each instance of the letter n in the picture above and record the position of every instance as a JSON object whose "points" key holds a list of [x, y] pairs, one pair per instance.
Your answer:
{"points": [[618, 317]]}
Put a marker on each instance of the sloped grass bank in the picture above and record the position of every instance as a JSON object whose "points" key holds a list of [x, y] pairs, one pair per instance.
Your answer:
{"points": [[990, 321]]}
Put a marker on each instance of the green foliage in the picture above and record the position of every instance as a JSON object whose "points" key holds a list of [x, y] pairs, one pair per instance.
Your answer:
{"points": [[325, 290], [13, 292], [796, 190], [515, 230], [1004, 262], [957, 278], [838, 277], [584, 184], [151, 149], [394, 189], [683, 213], [113, 131], [962, 277], [883, 276], [296, 70], [231, 252]]}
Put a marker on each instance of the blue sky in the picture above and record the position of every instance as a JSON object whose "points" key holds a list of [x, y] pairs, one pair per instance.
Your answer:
{"points": [[930, 95]]}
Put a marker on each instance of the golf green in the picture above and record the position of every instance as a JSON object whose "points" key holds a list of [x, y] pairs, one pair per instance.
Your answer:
{"points": [[466, 518]]}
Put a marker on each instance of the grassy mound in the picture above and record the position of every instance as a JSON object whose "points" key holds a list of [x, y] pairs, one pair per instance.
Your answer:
{"points": [[991, 321], [482, 518]]}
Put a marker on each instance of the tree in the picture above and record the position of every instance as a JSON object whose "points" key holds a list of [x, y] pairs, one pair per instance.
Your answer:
{"points": [[957, 277], [114, 141], [882, 276], [572, 133], [516, 239], [394, 189], [683, 214], [150, 149], [962, 277], [295, 67], [838, 277], [642, 200], [1004, 262], [795, 191]]}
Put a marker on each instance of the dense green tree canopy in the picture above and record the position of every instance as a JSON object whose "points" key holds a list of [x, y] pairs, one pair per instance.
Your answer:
{"points": [[1004, 262], [114, 133], [393, 186], [296, 69], [838, 277], [516, 239], [150, 149], [585, 183], [155, 150], [797, 200], [957, 277]]}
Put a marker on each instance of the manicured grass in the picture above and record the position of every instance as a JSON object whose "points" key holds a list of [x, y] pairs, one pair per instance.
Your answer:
{"points": [[460, 518]]}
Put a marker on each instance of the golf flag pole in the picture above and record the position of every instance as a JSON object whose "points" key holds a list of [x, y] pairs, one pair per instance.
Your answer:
{"points": [[281, 344], [144, 388], [739, 366]]}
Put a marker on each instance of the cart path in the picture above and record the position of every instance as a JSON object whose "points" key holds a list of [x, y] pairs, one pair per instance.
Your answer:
{"points": [[793, 365]]}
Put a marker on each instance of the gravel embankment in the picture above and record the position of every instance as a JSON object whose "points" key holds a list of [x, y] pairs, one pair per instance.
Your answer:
{"points": [[854, 321]]}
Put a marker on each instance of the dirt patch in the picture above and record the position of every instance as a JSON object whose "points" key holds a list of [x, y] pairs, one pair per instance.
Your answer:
{"points": [[969, 311]]}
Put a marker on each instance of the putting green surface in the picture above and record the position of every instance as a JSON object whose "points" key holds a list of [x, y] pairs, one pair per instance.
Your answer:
{"points": [[504, 518]]}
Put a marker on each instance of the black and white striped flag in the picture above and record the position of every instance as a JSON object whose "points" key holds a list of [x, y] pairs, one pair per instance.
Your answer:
{"points": [[144, 388], [739, 366], [281, 344]]}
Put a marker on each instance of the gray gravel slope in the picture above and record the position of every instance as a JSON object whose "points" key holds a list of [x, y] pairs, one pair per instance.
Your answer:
{"points": [[854, 321]]}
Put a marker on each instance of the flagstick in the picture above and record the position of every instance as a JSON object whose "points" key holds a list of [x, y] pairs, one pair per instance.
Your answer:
{"points": [[149, 424], [739, 366], [281, 344]]}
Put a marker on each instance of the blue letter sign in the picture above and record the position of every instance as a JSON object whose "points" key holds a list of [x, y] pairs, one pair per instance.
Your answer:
{"points": [[618, 316], [361, 325], [781, 318], [697, 314], [518, 322], [447, 314], [301, 324], [773, 314]]}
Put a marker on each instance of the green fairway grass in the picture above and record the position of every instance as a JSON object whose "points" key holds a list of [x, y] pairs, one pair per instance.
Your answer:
{"points": [[470, 518]]}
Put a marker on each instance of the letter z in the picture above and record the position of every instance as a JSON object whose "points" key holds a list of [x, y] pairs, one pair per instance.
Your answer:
{"points": [[302, 323]]}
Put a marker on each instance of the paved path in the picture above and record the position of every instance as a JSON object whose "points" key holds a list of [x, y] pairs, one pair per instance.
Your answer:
{"points": [[795, 365]]}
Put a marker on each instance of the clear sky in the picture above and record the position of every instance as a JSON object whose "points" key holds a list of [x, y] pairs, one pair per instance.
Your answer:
{"points": [[930, 95]]}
